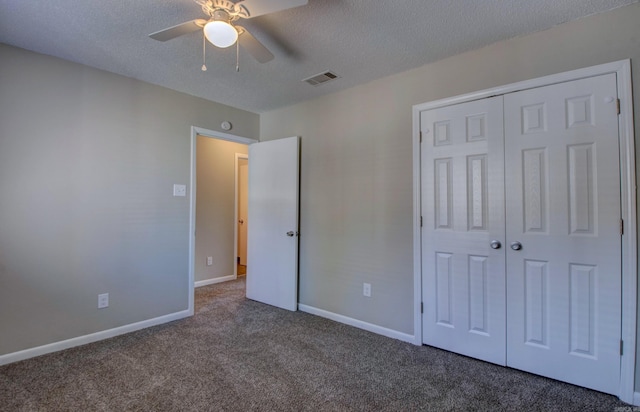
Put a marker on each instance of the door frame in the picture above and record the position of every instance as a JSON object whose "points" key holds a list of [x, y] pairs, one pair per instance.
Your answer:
{"points": [[622, 69], [238, 156], [195, 131]]}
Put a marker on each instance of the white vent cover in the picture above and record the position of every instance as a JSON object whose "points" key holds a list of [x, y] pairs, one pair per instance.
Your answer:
{"points": [[321, 78]]}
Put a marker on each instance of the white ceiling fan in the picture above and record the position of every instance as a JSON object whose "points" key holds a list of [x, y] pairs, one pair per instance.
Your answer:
{"points": [[221, 29]]}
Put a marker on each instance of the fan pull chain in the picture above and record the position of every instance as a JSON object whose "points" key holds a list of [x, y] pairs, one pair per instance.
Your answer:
{"points": [[204, 53], [237, 56]]}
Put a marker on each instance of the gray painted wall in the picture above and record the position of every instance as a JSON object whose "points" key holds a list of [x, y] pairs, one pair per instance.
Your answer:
{"points": [[87, 164], [215, 206], [87, 160], [356, 160]]}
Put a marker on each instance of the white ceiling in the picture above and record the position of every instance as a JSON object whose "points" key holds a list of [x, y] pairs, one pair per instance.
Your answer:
{"points": [[360, 40]]}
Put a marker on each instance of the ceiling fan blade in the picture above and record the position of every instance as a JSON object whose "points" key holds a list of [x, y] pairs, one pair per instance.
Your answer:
{"points": [[253, 46], [255, 8], [179, 30]]}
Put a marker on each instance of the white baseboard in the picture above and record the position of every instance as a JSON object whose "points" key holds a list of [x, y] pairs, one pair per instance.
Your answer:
{"points": [[93, 337], [636, 398], [390, 333], [214, 280]]}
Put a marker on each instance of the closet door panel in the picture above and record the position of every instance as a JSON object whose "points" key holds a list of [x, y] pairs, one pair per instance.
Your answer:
{"points": [[563, 208], [463, 211]]}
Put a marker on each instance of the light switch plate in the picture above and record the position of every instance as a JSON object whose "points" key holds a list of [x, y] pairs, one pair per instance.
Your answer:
{"points": [[179, 190]]}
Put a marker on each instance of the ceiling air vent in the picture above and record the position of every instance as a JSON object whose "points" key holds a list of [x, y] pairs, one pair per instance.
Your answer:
{"points": [[321, 78]]}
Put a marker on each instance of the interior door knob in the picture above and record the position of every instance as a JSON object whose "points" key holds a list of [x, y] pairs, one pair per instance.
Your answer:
{"points": [[495, 244], [291, 233], [241, 221], [516, 245]]}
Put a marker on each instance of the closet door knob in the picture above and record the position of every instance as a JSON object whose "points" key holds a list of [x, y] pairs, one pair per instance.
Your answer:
{"points": [[516, 245], [495, 244]]}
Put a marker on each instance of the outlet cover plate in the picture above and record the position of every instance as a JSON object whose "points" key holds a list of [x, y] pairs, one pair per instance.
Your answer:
{"points": [[103, 300], [366, 289], [179, 190]]}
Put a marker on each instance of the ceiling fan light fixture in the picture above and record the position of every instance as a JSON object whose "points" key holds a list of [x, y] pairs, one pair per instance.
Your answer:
{"points": [[219, 27], [220, 33]]}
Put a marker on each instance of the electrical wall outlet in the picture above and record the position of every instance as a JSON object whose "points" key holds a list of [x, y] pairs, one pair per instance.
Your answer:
{"points": [[209, 260], [103, 300], [366, 289], [179, 190]]}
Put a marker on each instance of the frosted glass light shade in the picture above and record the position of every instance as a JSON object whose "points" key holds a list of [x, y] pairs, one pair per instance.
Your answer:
{"points": [[220, 33]]}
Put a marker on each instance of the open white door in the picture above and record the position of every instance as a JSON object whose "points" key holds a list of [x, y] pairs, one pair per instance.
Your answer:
{"points": [[272, 247]]}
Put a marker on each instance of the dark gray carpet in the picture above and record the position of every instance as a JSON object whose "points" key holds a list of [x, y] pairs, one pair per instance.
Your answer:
{"points": [[240, 355]]}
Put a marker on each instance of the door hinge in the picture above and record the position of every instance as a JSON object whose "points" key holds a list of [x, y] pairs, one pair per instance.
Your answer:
{"points": [[421, 307], [621, 347], [420, 221], [618, 105], [420, 136], [621, 227]]}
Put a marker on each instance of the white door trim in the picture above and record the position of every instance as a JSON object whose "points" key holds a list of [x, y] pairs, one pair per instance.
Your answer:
{"points": [[622, 69], [235, 213], [195, 131]]}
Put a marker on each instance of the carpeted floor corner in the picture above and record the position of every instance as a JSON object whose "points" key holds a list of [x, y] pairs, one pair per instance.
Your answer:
{"points": [[240, 355]]}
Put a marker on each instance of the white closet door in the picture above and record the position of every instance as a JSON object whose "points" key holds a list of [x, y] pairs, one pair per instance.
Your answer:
{"points": [[463, 211], [563, 207]]}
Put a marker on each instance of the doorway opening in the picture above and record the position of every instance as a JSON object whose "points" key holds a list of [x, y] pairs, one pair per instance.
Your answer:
{"points": [[213, 212]]}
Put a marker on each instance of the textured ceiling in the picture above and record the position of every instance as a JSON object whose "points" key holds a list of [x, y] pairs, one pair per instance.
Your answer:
{"points": [[360, 40]]}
